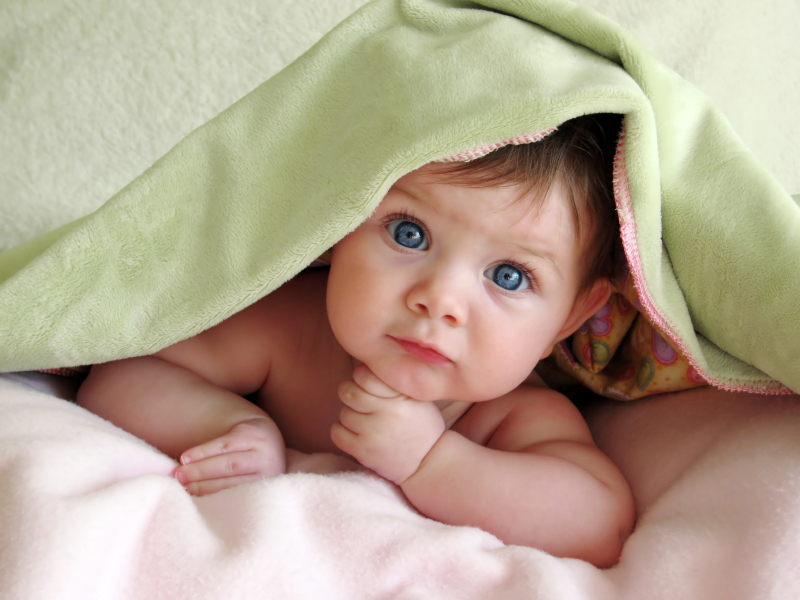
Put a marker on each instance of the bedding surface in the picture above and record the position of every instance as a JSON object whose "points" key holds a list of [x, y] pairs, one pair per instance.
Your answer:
{"points": [[254, 195], [88, 511]]}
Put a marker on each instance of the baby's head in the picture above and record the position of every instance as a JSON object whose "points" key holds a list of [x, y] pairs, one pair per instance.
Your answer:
{"points": [[467, 274]]}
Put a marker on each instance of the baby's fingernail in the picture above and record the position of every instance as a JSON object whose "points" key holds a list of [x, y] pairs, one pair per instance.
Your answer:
{"points": [[185, 460], [181, 477]]}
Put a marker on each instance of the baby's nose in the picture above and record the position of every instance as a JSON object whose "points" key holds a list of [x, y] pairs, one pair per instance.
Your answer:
{"points": [[440, 296]]}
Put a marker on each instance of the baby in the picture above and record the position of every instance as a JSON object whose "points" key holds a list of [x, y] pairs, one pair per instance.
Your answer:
{"points": [[414, 354]]}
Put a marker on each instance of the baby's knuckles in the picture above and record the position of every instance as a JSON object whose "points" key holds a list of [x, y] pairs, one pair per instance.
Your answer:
{"points": [[385, 460], [404, 432], [371, 384], [355, 398]]}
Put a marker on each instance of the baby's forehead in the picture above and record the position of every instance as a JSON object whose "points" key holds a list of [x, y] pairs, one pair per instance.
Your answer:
{"points": [[505, 214], [526, 198], [435, 185]]}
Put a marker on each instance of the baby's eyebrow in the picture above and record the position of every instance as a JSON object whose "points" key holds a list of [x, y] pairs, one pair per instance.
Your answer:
{"points": [[410, 195], [545, 254]]}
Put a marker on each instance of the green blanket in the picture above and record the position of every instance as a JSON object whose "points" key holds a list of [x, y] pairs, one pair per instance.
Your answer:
{"points": [[249, 199]]}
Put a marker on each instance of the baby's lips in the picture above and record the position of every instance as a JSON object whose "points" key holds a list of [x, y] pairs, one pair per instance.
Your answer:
{"points": [[427, 354]]}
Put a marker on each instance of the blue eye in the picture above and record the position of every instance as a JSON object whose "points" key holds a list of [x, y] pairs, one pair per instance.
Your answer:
{"points": [[508, 277], [408, 234]]}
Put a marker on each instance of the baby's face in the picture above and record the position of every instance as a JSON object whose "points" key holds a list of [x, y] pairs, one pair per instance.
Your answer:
{"points": [[452, 292]]}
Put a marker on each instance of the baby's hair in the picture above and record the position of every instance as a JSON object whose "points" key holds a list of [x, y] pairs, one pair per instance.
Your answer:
{"points": [[580, 153]]}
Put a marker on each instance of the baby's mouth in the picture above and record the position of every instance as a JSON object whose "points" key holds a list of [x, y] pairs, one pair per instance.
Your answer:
{"points": [[424, 353]]}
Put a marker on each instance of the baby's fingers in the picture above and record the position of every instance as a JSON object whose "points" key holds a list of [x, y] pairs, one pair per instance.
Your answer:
{"points": [[355, 421], [345, 440], [357, 399], [203, 488], [216, 447], [231, 466], [224, 465], [369, 382]]}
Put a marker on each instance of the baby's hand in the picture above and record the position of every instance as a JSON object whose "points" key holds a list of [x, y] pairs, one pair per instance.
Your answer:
{"points": [[250, 451], [385, 431]]}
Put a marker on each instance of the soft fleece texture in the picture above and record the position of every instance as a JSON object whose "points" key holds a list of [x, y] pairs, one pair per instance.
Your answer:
{"points": [[250, 198], [88, 511]]}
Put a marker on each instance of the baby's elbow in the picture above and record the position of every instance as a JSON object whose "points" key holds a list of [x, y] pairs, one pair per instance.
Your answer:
{"points": [[604, 552], [602, 546]]}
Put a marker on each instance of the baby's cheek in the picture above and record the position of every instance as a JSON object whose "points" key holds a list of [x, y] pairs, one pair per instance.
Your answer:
{"points": [[503, 371], [341, 307], [346, 328]]}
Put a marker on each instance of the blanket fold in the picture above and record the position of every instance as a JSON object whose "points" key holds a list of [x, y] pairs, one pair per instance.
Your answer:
{"points": [[253, 196]]}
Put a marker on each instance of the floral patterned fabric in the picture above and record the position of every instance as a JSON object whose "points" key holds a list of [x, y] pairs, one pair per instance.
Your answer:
{"points": [[619, 354]]}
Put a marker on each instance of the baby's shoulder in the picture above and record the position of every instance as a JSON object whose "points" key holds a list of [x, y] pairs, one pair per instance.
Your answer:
{"points": [[293, 320], [283, 318], [238, 354], [299, 301], [533, 413], [305, 293]]}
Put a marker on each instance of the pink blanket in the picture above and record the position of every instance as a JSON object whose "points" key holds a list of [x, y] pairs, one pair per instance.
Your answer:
{"points": [[88, 511]]}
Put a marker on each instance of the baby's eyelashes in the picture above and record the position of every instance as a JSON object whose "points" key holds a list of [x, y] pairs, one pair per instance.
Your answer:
{"points": [[510, 277], [408, 234]]}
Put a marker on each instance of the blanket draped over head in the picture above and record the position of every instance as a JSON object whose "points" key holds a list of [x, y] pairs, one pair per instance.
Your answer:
{"points": [[249, 199]]}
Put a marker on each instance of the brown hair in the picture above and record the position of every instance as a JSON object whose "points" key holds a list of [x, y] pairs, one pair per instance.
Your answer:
{"points": [[580, 153]]}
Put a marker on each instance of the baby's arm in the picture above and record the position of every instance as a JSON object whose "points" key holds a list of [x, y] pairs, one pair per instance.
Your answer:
{"points": [[187, 402], [524, 467]]}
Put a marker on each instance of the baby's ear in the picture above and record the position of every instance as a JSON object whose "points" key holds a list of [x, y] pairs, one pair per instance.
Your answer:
{"points": [[586, 305]]}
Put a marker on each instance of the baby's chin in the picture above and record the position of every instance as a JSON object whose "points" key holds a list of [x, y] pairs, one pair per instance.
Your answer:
{"points": [[427, 385], [409, 376], [422, 386]]}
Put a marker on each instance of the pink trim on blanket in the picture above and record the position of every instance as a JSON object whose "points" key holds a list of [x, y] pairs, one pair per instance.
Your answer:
{"points": [[66, 371], [480, 151], [622, 197]]}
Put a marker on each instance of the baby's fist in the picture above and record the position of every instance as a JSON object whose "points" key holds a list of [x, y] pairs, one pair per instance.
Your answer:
{"points": [[385, 431]]}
